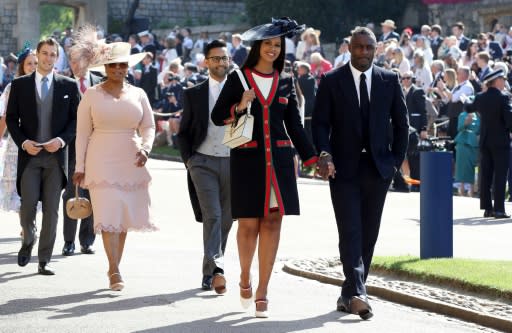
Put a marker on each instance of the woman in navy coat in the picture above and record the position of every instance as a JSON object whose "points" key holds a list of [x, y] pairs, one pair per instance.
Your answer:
{"points": [[263, 181]]}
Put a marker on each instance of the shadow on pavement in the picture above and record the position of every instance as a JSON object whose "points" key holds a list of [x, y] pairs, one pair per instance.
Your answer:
{"points": [[23, 305], [121, 304], [4, 277], [8, 258], [10, 240], [250, 324]]}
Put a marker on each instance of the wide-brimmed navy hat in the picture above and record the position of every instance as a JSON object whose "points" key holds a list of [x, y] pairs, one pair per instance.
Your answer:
{"points": [[279, 27], [494, 75]]}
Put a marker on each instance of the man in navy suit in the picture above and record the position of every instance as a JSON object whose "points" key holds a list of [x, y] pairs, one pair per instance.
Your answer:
{"points": [[458, 31], [358, 107], [388, 31]]}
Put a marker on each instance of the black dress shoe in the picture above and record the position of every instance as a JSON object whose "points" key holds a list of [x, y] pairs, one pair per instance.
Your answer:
{"points": [[501, 215], [488, 213], [68, 249], [359, 305], [86, 249], [206, 284], [45, 269], [400, 189], [343, 304], [25, 254]]}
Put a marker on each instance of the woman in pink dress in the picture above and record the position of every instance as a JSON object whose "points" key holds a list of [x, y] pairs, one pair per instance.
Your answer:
{"points": [[115, 132]]}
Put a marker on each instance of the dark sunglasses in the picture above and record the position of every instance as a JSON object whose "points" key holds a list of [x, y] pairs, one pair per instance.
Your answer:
{"points": [[406, 78], [122, 65]]}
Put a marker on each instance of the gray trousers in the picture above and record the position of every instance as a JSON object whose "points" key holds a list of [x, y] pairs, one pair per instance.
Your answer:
{"points": [[210, 176], [41, 179]]}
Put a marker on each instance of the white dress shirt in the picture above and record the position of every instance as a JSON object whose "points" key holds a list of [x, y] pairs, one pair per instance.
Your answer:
{"points": [[356, 74], [39, 81], [465, 88], [212, 144]]}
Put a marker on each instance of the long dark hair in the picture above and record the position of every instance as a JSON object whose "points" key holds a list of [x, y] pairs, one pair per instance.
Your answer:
{"points": [[21, 64], [254, 56]]}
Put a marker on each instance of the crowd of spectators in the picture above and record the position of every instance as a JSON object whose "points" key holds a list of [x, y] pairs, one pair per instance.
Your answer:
{"points": [[448, 66]]}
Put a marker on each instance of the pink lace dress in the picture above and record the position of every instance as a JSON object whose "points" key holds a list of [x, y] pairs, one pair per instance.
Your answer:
{"points": [[110, 131]]}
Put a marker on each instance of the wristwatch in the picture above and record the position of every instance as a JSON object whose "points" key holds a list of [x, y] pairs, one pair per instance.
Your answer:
{"points": [[324, 154]]}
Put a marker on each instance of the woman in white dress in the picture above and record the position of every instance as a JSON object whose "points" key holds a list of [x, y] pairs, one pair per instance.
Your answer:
{"points": [[9, 198]]}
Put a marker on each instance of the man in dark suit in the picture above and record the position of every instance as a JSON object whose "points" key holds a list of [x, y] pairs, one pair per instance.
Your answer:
{"points": [[487, 43], [239, 52], [307, 84], [388, 31], [495, 125], [436, 40], [149, 79], [416, 109], [357, 107], [84, 79], [208, 165], [458, 32], [41, 117]]}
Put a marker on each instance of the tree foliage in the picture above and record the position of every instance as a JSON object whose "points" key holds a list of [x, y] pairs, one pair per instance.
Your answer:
{"points": [[335, 18], [55, 17]]}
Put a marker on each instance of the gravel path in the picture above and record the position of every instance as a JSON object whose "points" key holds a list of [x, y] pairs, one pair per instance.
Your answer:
{"points": [[332, 268]]}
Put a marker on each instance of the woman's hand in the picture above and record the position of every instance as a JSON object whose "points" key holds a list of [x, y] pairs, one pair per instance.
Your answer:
{"points": [[247, 97], [78, 178], [140, 158]]}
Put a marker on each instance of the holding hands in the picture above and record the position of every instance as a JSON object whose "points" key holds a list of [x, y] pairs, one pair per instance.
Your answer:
{"points": [[325, 167]]}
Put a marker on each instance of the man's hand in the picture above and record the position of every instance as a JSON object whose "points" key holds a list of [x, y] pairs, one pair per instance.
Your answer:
{"points": [[423, 135], [78, 178], [31, 147], [325, 168], [53, 145]]}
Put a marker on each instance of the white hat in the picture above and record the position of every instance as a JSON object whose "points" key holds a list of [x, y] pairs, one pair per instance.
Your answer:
{"points": [[389, 23], [116, 53], [143, 33]]}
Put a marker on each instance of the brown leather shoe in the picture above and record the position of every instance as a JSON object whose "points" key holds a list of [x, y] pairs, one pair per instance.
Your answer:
{"points": [[219, 283], [359, 305]]}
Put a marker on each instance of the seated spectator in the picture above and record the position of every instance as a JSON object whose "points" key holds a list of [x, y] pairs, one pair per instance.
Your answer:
{"points": [[422, 71], [469, 56], [168, 54], [319, 65], [344, 53], [171, 106], [423, 45], [400, 61]]}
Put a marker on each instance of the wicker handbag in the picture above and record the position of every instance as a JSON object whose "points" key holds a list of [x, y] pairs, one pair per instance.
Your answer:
{"points": [[78, 207]]}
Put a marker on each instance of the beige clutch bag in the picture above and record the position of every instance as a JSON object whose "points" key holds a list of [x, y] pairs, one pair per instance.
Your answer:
{"points": [[78, 207]]}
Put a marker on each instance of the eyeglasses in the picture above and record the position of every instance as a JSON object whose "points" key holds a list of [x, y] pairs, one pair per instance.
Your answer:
{"points": [[122, 65], [219, 59], [406, 78]]}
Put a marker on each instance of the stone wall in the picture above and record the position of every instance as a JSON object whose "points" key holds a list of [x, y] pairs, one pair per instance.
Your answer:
{"points": [[477, 16], [8, 20], [165, 14]]}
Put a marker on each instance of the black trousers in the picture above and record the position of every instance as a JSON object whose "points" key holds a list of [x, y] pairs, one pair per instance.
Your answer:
{"points": [[493, 175], [86, 234], [358, 204]]}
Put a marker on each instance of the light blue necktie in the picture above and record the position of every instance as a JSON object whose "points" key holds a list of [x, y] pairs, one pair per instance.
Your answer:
{"points": [[44, 87]]}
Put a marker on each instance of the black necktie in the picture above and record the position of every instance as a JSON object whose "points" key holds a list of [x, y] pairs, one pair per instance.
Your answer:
{"points": [[364, 101]]}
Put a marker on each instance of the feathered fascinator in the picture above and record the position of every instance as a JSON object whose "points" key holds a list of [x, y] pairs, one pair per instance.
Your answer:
{"points": [[22, 54], [278, 27], [92, 52]]}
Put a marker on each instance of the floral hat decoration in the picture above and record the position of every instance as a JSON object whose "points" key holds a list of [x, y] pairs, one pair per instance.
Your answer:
{"points": [[93, 53], [278, 27]]}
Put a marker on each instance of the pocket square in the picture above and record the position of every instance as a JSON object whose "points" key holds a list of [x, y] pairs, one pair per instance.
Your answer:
{"points": [[66, 96]]}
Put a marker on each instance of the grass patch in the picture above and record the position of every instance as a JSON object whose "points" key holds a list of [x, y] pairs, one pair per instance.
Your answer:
{"points": [[491, 277], [165, 150]]}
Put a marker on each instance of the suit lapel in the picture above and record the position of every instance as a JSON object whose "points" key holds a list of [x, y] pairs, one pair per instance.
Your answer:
{"points": [[32, 91], [348, 85], [204, 101], [377, 81]]}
